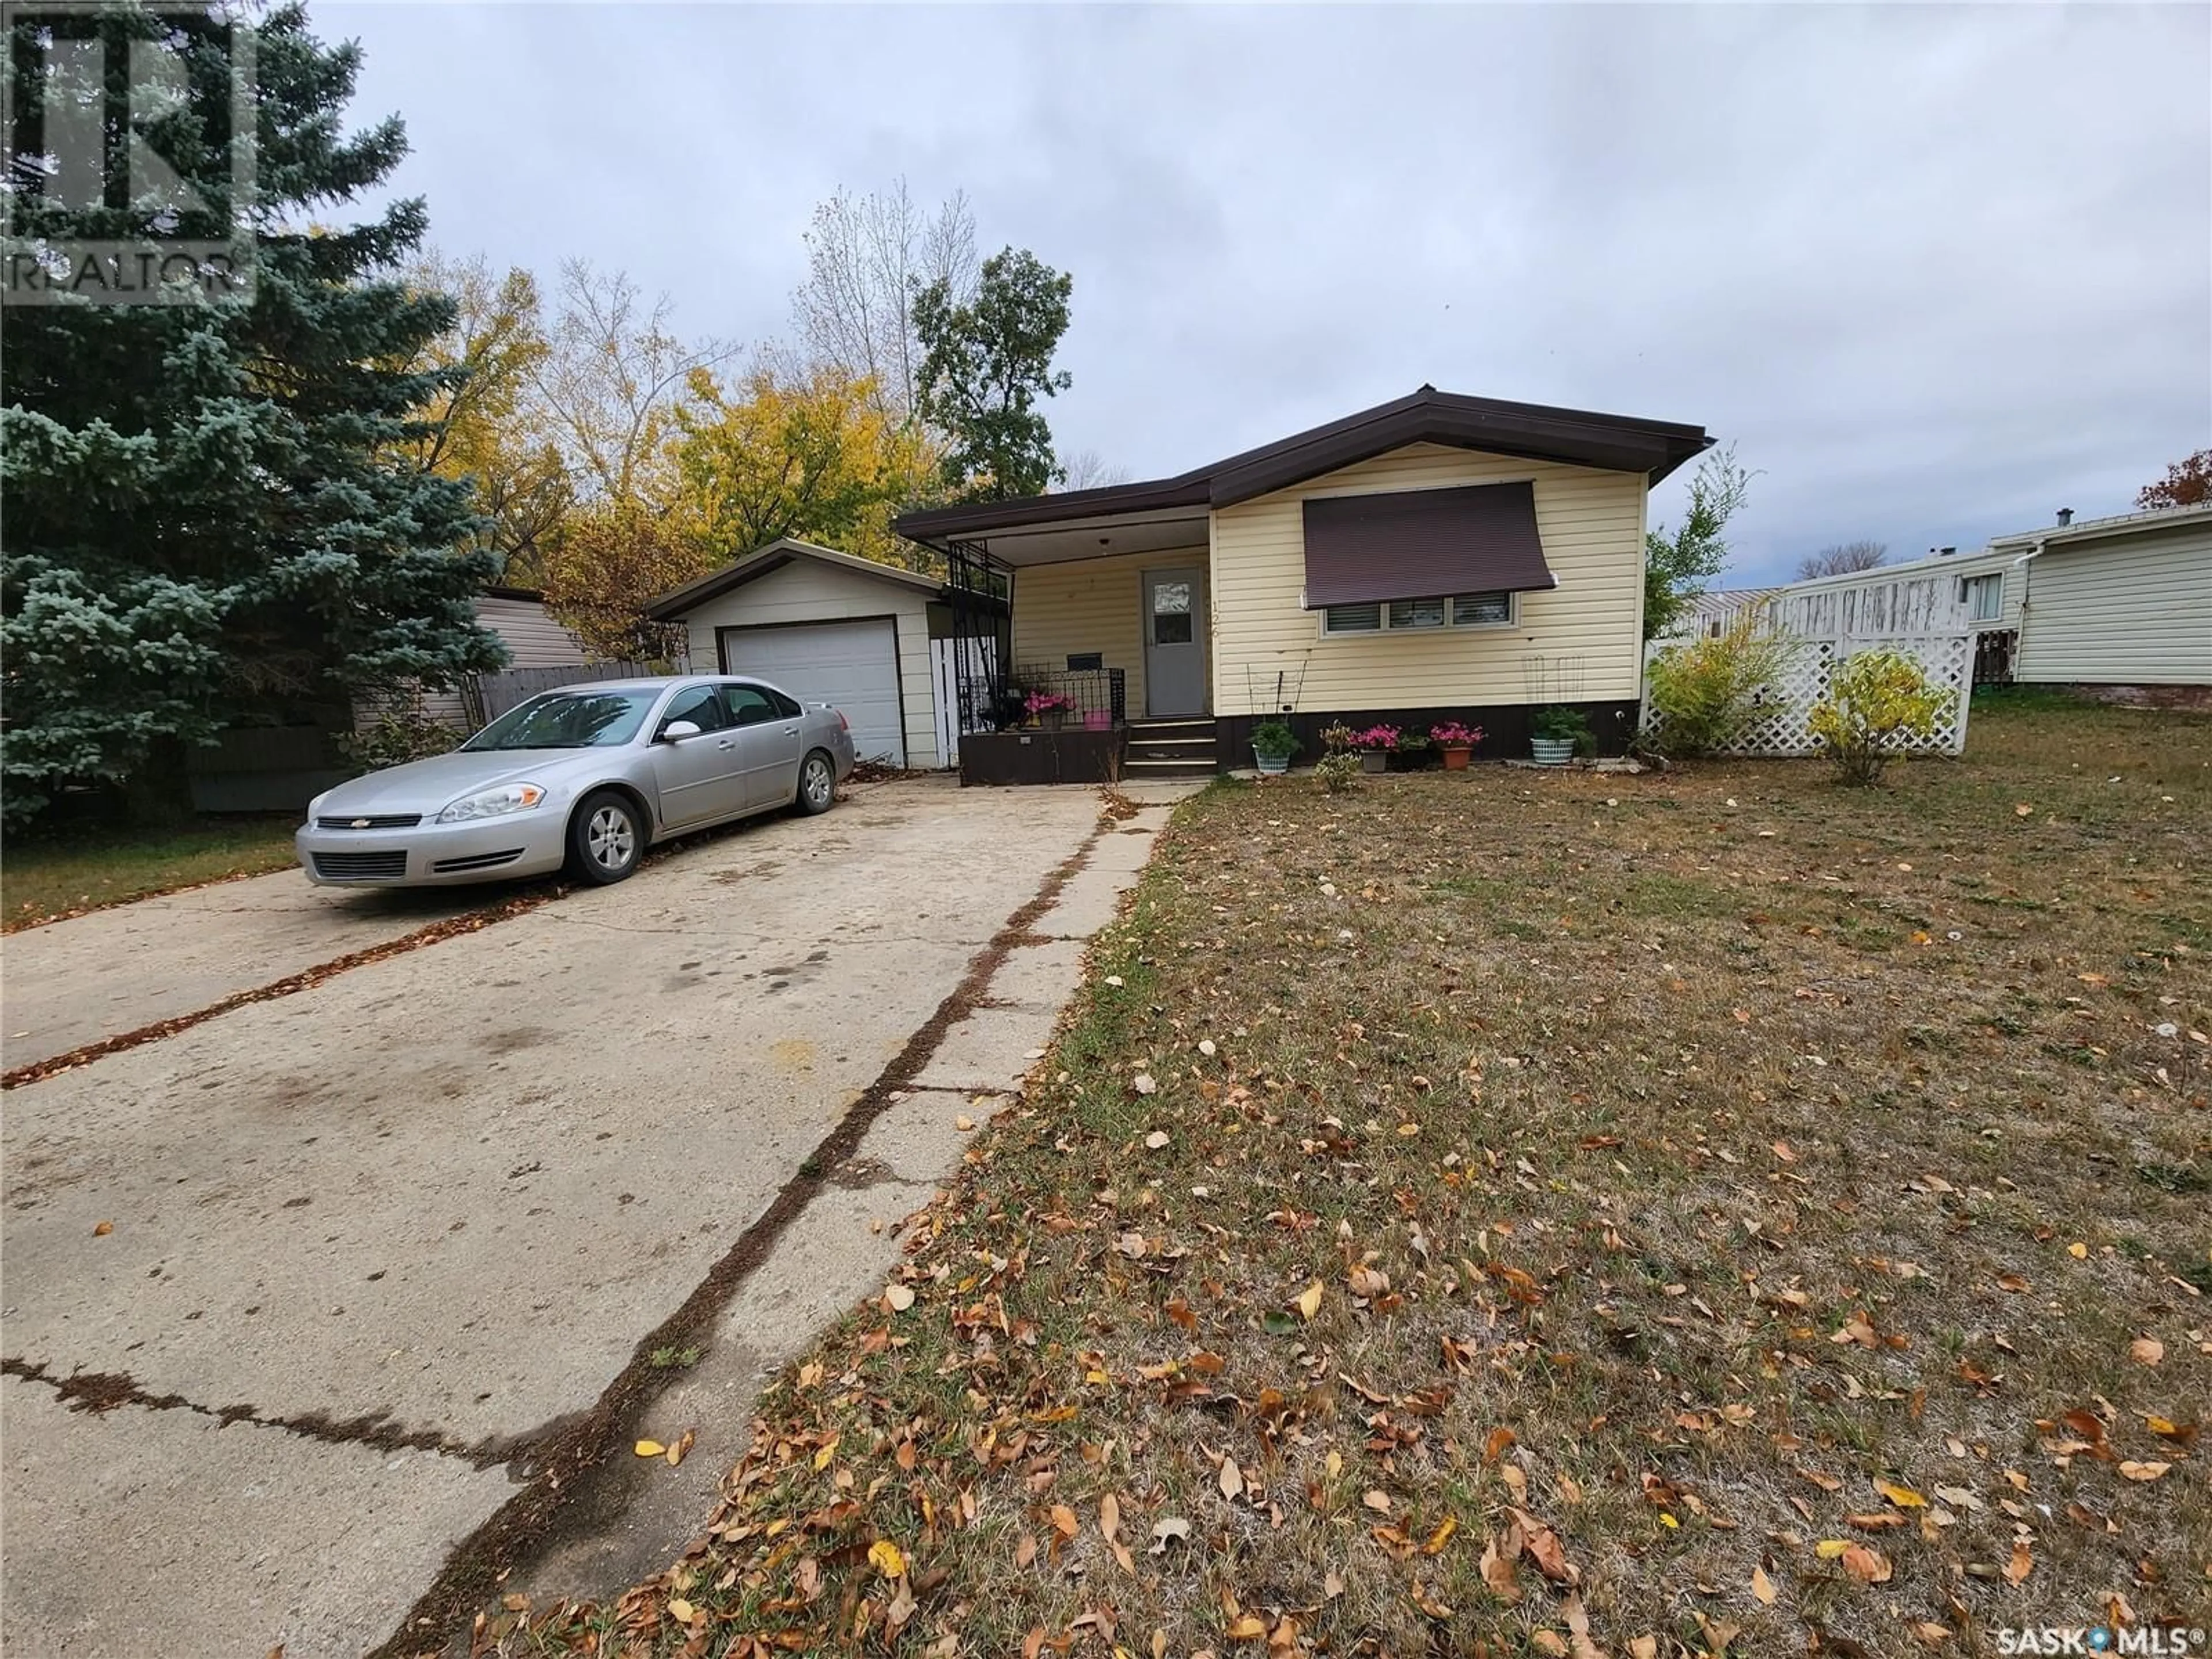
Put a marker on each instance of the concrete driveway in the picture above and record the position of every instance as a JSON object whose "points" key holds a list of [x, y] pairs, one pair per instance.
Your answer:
{"points": [[392, 1260]]}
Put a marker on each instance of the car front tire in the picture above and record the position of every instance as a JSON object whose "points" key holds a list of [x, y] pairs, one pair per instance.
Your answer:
{"points": [[817, 783], [606, 838]]}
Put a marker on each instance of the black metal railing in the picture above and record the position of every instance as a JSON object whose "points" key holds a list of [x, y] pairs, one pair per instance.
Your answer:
{"points": [[1092, 697]]}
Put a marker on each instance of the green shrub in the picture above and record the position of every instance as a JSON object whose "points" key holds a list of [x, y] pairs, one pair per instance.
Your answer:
{"points": [[1337, 773], [1878, 701], [1274, 739], [1563, 724], [1706, 693], [395, 736]]}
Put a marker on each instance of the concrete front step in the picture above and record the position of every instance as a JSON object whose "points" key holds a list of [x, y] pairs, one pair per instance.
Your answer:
{"points": [[1172, 748]]}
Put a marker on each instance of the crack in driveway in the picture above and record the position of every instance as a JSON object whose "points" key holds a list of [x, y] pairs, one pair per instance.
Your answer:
{"points": [[101, 1392]]}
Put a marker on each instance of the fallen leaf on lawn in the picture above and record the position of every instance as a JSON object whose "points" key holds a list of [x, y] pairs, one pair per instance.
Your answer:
{"points": [[680, 1610], [2077, 1249], [1024, 1551], [1145, 1083], [1332, 1584], [1174, 1527], [1441, 1536], [1308, 1300], [1869, 1566], [885, 1557], [1378, 1501], [1157, 1139], [1065, 1519], [676, 1453], [1549, 1642], [898, 1297], [2147, 1351], [1544, 1548], [650, 1449], [102, 1228], [1232, 1479], [1247, 1627], [1762, 1587], [1904, 1497], [1113, 979], [2022, 1565], [1933, 1634], [2136, 1471], [1109, 1516], [1498, 1570], [1578, 1636], [2023, 810]]}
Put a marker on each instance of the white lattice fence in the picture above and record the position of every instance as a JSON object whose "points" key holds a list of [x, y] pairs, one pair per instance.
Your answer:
{"points": [[1785, 705]]}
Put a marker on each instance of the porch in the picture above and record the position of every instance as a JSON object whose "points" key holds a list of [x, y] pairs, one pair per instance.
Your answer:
{"points": [[1082, 645]]}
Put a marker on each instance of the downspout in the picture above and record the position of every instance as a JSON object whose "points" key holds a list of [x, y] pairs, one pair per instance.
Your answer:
{"points": [[2027, 587]]}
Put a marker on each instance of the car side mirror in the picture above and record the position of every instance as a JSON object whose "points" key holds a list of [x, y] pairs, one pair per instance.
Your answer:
{"points": [[675, 731]]}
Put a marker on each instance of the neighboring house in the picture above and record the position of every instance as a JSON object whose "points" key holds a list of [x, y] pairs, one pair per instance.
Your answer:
{"points": [[1437, 556], [533, 638], [2123, 601], [831, 627], [1710, 615], [1945, 591]]}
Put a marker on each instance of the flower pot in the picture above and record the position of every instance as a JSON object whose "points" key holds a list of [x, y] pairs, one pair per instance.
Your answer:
{"points": [[1273, 766], [1552, 751], [1455, 759], [1053, 719], [1374, 760]]}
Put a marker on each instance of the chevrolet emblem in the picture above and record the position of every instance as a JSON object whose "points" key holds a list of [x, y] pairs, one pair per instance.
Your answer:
{"points": [[361, 823]]}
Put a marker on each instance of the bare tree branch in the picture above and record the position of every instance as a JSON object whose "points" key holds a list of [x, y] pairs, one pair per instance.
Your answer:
{"points": [[1842, 559]]}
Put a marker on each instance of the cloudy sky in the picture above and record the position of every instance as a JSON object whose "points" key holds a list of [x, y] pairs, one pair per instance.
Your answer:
{"points": [[1936, 271]]}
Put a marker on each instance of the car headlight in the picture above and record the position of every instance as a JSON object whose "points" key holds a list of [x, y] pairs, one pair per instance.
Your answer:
{"points": [[492, 802]]}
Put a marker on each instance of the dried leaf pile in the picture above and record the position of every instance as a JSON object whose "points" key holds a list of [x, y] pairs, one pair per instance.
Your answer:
{"points": [[1483, 1214]]}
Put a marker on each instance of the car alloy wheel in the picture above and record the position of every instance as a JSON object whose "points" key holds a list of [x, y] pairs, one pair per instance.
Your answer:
{"points": [[817, 783], [611, 838]]}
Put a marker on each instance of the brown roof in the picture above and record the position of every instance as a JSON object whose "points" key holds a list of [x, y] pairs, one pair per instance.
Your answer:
{"points": [[1421, 543], [1580, 437]]}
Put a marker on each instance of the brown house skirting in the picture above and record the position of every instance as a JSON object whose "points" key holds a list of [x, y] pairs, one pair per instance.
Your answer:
{"points": [[1067, 756]]}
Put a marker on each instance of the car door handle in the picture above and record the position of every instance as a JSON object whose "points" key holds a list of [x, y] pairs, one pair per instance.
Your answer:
{"points": [[726, 743], [790, 731]]}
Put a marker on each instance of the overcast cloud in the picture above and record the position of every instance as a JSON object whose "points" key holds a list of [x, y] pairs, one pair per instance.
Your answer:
{"points": [[1936, 271]]}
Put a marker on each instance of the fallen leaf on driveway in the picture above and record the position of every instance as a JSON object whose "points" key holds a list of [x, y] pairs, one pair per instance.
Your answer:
{"points": [[101, 1230], [963, 1124], [650, 1449], [683, 1444]]}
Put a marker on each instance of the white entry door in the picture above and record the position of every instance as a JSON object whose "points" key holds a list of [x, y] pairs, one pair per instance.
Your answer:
{"points": [[852, 666]]}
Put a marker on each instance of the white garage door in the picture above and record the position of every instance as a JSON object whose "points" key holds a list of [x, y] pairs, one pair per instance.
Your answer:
{"points": [[852, 665]]}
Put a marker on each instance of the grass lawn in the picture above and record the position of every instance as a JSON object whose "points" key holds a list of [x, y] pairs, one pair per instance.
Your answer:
{"points": [[1505, 1213], [45, 879]]}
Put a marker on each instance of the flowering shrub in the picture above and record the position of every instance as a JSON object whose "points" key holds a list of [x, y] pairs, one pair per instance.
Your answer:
{"points": [[1377, 737], [1705, 693], [1876, 700], [1040, 702], [1452, 735]]}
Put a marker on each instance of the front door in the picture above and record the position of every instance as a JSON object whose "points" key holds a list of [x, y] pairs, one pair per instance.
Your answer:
{"points": [[1175, 653]]}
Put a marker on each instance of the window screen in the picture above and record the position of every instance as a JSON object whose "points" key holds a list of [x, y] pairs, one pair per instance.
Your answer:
{"points": [[1352, 618], [1481, 610], [1416, 613]]}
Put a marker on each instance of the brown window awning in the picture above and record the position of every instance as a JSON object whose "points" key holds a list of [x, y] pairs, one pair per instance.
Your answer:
{"points": [[1423, 544]]}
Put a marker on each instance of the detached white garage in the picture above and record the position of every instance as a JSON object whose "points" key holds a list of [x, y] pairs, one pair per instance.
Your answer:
{"points": [[826, 627]]}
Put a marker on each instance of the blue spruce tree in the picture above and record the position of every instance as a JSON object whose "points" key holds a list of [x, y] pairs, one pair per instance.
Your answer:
{"points": [[209, 517]]}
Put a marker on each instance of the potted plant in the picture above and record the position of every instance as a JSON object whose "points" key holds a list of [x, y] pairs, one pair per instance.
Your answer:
{"points": [[1047, 708], [1273, 742], [1375, 745], [1558, 731], [1412, 752], [1456, 743]]}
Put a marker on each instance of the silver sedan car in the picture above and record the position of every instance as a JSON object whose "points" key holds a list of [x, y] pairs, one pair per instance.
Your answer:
{"points": [[584, 778]]}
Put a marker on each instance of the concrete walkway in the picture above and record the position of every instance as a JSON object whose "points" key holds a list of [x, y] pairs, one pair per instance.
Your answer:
{"points": [[386, 1254]]}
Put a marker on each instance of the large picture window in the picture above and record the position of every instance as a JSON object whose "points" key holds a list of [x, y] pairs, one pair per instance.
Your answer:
{"points": [[1419, 615]]}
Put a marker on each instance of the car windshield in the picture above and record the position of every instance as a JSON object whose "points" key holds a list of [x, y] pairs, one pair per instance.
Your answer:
{"points": [[569, 720]]}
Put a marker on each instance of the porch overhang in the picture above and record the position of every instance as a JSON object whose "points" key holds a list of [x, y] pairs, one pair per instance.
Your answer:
{"points": [[1029, 540]]}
